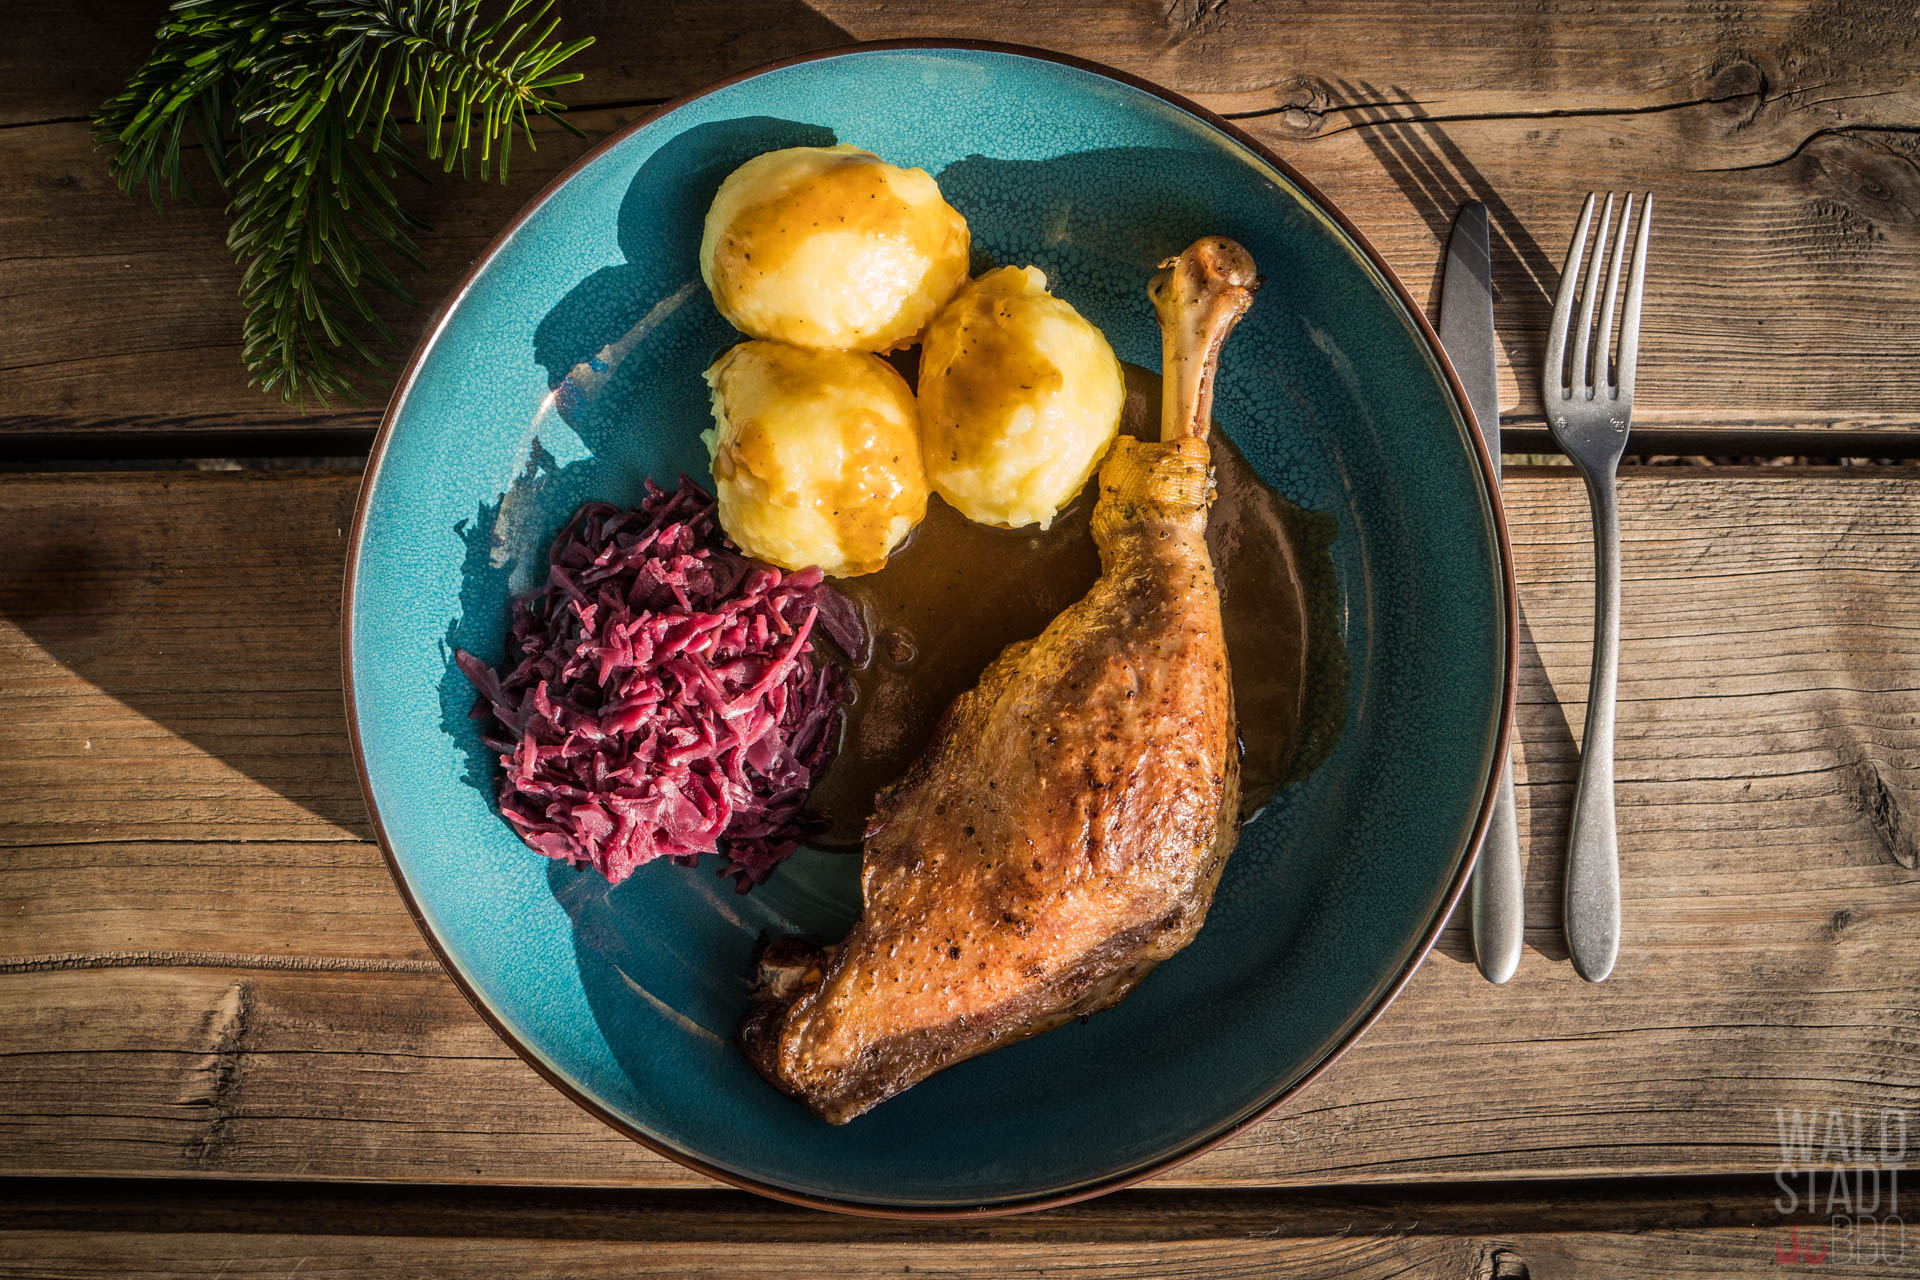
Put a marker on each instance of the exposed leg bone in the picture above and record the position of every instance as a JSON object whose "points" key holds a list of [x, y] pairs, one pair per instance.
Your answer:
{"points": [[1199, 296]]}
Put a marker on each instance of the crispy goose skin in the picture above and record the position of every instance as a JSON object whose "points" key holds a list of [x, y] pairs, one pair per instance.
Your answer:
{"points": [[1064, 831]]}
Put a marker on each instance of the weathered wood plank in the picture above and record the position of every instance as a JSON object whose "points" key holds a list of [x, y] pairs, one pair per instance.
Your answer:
{"points": [[1464, 59], [194, 911], [1699, 1255], [1709, 1227], [1639, 1227], [1779, 143], [1543, 1256]]}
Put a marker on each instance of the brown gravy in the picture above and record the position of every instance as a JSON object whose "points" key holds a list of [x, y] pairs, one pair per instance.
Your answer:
{"points": [[958, 593]]}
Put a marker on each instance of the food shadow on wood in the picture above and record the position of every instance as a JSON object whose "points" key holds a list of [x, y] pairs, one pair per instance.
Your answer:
{"points": [[121, 601], [1437, 178], [1552, 759]]}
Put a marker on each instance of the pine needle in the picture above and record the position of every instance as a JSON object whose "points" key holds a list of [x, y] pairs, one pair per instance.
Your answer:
{"points": [[296, 106]]}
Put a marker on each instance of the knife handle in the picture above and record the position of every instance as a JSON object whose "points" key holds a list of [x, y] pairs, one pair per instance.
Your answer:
{"points": [[1499, 912]]}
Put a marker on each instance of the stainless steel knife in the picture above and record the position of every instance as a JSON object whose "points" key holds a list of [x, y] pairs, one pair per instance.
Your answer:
{"points": [[1466, 330]]}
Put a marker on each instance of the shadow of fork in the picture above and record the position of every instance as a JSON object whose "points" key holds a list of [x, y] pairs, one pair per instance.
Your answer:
{"points": [[1437, 178]]}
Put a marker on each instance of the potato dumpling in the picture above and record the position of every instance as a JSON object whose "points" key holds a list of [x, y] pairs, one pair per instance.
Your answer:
{"points": [[816, 456], [831, 247], [1019, 398]]}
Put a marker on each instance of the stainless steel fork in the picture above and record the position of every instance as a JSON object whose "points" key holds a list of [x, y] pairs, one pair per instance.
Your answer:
{"points": [[1588, 410]]}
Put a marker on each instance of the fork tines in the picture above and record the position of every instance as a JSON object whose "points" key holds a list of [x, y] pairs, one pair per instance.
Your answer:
{"points": [[1613, 379]]}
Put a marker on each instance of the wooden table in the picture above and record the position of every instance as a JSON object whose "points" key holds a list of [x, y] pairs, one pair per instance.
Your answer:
{"points": [[227, 1051]]}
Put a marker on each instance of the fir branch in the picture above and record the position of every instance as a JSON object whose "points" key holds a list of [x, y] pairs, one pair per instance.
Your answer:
{"points": [[296, 106]]}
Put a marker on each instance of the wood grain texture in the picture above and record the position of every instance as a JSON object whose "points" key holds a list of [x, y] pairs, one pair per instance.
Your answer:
{"points": [[1682, 1255], [195, 914], [1469, 58], [1677, 1227], [1779, 140]]}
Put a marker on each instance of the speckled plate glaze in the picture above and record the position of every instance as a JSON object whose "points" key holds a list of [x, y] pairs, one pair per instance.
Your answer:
{"points": [[567, 366]]}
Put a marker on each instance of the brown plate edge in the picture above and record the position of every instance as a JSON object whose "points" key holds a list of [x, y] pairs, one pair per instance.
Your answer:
{"points": [[1201, 1145]]}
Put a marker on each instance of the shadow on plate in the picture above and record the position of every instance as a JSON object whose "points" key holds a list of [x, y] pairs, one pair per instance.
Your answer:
{"points": [[623, 350]]}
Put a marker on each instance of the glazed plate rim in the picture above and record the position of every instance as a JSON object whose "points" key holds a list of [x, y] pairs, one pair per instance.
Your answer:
{"points": [[1204, 1141]]}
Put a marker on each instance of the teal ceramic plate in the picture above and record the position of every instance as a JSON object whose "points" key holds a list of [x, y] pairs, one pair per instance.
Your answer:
{"points": [[567, 366]]}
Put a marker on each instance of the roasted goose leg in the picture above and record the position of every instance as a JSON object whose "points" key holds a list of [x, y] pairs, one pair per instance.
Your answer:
{"points": [[1064, 831]]}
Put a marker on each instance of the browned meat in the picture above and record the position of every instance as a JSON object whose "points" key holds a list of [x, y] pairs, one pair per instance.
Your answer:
{"points": [[1064, 831]]}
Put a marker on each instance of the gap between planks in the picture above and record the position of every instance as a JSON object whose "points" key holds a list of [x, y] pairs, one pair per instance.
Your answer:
{"points": [[1528, 1231], [1145, 1214]]}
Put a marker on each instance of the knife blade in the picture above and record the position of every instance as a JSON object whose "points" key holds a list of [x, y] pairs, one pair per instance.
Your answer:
{"points": [[1466, 330]]}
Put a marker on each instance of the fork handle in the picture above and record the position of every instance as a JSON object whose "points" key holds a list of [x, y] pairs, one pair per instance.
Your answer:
{"points": [[1593, 845]]}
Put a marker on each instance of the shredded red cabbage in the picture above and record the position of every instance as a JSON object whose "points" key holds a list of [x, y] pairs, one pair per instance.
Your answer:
{"points": [[658, 698]]}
